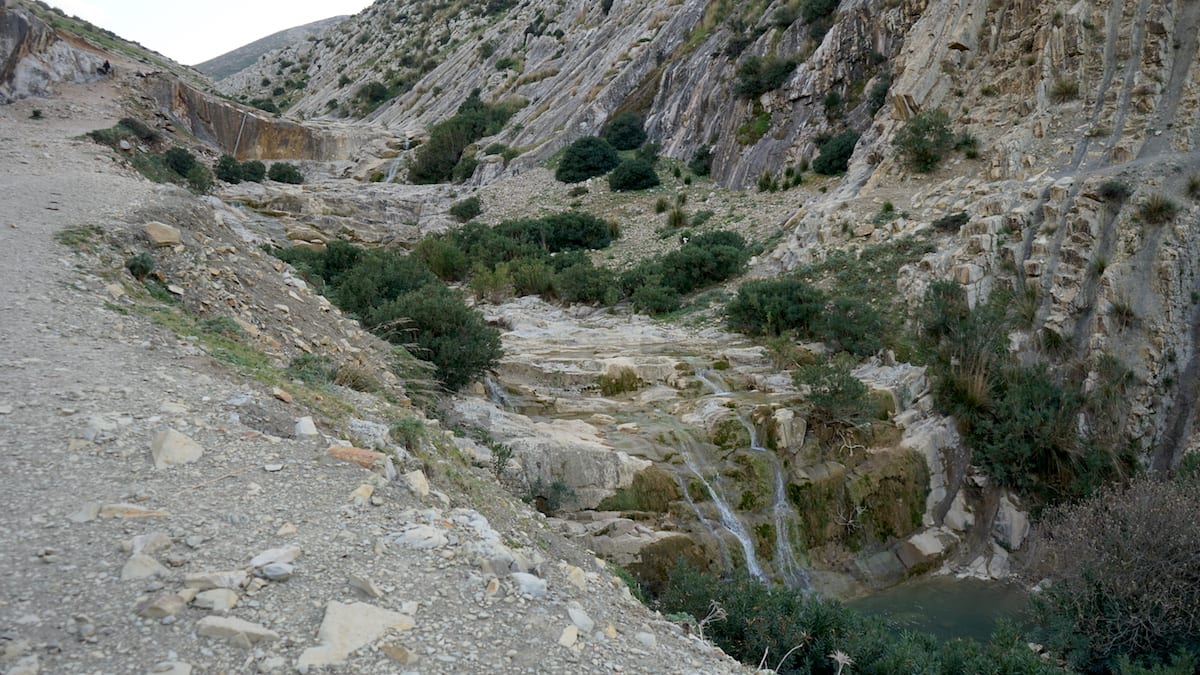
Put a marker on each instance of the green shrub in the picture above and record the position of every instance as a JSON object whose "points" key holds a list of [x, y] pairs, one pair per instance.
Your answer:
{"points": [[200, 179], [836, 396], [633, 174], [835, 153], [587, 157], [851, 325], [877, 97], [464, 169], [532, 276], [586, 283], [1064, 90], [141, 130], [253, 171], [952, 222], [625, 131], [701, 162], [655, 298], [180, 160], [559, 232], [1114, 191], [376, 277], [228, 169], [813, 10], [677, 219], [758, 75], [444, 330], [436, 159], [774, 306], [924, 140], [466, 209], [140, 265], [443, 258], [705, 259], [285, 172]]}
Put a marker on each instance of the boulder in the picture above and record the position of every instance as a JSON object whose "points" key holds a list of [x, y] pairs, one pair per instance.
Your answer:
{"points": [[162, 235], [169, 448]]}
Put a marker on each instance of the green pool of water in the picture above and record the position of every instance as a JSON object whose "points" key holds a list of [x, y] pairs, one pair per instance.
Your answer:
{"points": [[948, 608]]}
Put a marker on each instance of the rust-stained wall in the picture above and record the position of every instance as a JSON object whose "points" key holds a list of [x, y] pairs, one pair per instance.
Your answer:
{"points": [[248, 133]]}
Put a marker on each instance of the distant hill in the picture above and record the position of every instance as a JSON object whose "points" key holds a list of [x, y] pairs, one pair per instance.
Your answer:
{"points": [[231, 62]]}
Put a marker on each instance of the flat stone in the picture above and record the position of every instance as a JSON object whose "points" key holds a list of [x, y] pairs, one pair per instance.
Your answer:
{"points": [[569, 636], [283, 554], [346, 628], [417, 483], [161, 606], [162, 234], [169, 448], [143, 567], [647, 639], [149, 544], [86, 513], [362, 495], [306, 428], [129, 511], [281, 394], [216, 600], [422, 537], [368, 459], [530, 585], [577, 577], [581, 620], [365, 585], [278, 571], [204, 581], [236, 632]]}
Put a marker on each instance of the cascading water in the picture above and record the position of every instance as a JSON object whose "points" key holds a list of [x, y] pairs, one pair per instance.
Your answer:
{"points": [[729, 519], [726, 560], [713, 381], [794, 574], [497, 394], [392, 171]]}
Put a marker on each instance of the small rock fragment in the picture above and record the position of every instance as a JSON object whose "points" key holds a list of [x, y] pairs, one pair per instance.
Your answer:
{"points": [[365, 585], [169, 447], [570, 635], [347, 628], [162, 235], [417, 483], [581, 619], [281, 394], [216, 600], [647, 639], [400, 654], [530, 585], [283, 554], [306, 428], [204, 581], [236, 632], [143, 567], [278, 571], [368, 459], [171, 668]]}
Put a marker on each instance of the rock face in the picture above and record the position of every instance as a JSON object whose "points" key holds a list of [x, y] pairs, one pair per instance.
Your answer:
{"points": [[33, 56]]}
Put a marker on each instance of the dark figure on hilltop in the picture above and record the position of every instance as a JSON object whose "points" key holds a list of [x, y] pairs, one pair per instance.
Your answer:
{"points": [[106, 68]]}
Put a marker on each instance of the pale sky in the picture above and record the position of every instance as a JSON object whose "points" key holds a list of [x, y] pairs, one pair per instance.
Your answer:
{"points": [[193, 31]]}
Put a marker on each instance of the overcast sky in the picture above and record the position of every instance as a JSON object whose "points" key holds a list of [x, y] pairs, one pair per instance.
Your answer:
{"points": [[193, 31]]}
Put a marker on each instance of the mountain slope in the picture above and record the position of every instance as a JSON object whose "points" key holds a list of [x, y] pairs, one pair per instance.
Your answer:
{"points": [[227, 64]]}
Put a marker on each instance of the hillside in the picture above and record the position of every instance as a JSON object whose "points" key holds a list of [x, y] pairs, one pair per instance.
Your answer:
{"points": [[229, 63], [867, 291]]}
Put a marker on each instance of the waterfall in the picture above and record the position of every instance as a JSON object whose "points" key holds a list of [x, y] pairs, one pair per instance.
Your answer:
{"points": [[753, 434], [794, 574], [729, 519], [497, 394], [393, 170], [713, 381], [726, 560]]}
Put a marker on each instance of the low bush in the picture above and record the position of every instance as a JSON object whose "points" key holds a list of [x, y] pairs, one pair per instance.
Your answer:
{"points": [[1064, 90], [701, 162], [758, 75], [924, 140], [180, 160], [774, 306], [952, 222], [200, 179], [835, 153], [140, 265], [813, 10], [586, 158], [837, 397], [633, 174], [625, 131], [228, 169], [253, 171], [285, 172], [565, 231], [655, 298], [1114, 191], [466, 209], [586, 283], [443, 258]]}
